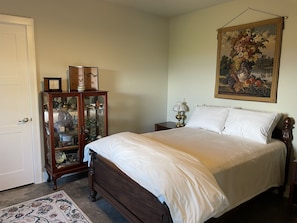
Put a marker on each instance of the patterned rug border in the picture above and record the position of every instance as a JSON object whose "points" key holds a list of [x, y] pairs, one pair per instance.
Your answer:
{"points": [[42, 197]]}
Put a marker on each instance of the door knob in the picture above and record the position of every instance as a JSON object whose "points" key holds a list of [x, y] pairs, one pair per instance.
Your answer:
{"points": [[25, 120]]}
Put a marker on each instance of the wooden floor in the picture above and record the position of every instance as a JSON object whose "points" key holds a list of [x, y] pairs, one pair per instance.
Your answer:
{"points": [[267, 207]]}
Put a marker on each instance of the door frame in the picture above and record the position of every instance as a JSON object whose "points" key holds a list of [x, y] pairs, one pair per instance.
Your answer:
{"points": [[34, 95]]}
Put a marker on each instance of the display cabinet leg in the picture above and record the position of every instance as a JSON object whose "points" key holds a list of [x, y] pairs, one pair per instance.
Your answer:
{"points": [[49, 177], [55, 183]]}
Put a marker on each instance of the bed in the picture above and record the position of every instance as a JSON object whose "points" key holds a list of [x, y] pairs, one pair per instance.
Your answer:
{"points": [[229, 155]]}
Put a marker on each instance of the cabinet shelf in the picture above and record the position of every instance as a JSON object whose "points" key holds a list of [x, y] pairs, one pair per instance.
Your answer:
{"points": [[64, 165], [65, 148], [70, 121]]}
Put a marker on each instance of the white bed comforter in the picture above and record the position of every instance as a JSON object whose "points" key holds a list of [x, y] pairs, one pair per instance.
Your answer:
{"points": [[188, 188], [242, 168]]}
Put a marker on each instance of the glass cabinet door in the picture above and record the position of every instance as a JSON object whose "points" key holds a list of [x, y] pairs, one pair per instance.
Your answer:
{"points": [[47, 132], [94, 117], [61, 121]]}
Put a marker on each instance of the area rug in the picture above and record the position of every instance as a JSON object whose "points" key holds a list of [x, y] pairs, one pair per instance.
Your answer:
{"points": [[52, 208]]}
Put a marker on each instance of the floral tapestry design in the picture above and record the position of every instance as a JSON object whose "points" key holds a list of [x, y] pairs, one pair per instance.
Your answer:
{"points": [[52, 208], [248, 61]]}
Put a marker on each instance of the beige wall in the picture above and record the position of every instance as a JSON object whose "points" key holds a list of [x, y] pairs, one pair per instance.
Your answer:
{"points": [[193, 51], [130, 48], [148, 63]]}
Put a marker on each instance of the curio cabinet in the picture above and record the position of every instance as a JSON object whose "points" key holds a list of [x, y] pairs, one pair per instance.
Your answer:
{"points": [[70, 121]]}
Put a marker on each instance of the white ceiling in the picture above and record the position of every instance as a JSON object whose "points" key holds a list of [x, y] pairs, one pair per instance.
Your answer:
{"points": [[167, 7]]}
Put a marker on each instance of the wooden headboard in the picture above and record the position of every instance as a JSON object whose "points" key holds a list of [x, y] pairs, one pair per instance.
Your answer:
{"points": [[285, 134]]}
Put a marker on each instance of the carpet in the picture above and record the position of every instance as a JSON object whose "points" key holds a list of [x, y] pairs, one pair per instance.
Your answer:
{"points": [[52, 208]]}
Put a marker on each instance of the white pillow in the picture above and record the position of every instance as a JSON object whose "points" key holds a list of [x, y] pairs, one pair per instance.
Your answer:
{"points": [[254, 125], [211, 118]]}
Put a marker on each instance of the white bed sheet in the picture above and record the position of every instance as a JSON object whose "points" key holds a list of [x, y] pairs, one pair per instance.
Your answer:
{"points": [[242, 168]]}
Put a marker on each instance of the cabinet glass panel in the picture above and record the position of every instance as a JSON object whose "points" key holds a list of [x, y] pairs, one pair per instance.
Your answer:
{"points": [[47, 138], [65, 125], [94, 112]]}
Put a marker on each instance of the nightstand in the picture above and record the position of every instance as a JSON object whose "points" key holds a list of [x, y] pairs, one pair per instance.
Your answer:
{"points": [[293, 186], [165, 126]]}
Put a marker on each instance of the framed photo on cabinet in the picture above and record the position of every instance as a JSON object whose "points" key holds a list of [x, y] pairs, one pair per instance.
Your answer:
{"points": [[248, 60], [83, 78], [52, 84]]}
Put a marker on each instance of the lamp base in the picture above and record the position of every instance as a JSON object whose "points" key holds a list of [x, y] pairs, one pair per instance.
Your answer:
{"points": [[178, 124], [179, 117]]}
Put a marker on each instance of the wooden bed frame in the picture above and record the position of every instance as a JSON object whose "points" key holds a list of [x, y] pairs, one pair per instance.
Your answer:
{"points": [[136, 203]]}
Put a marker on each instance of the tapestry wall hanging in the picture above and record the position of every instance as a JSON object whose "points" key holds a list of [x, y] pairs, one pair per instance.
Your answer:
{"points": [[248, 60]]}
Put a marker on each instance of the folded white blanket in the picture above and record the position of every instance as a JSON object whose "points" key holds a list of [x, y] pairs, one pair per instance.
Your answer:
{"points": [[188, 188]]}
